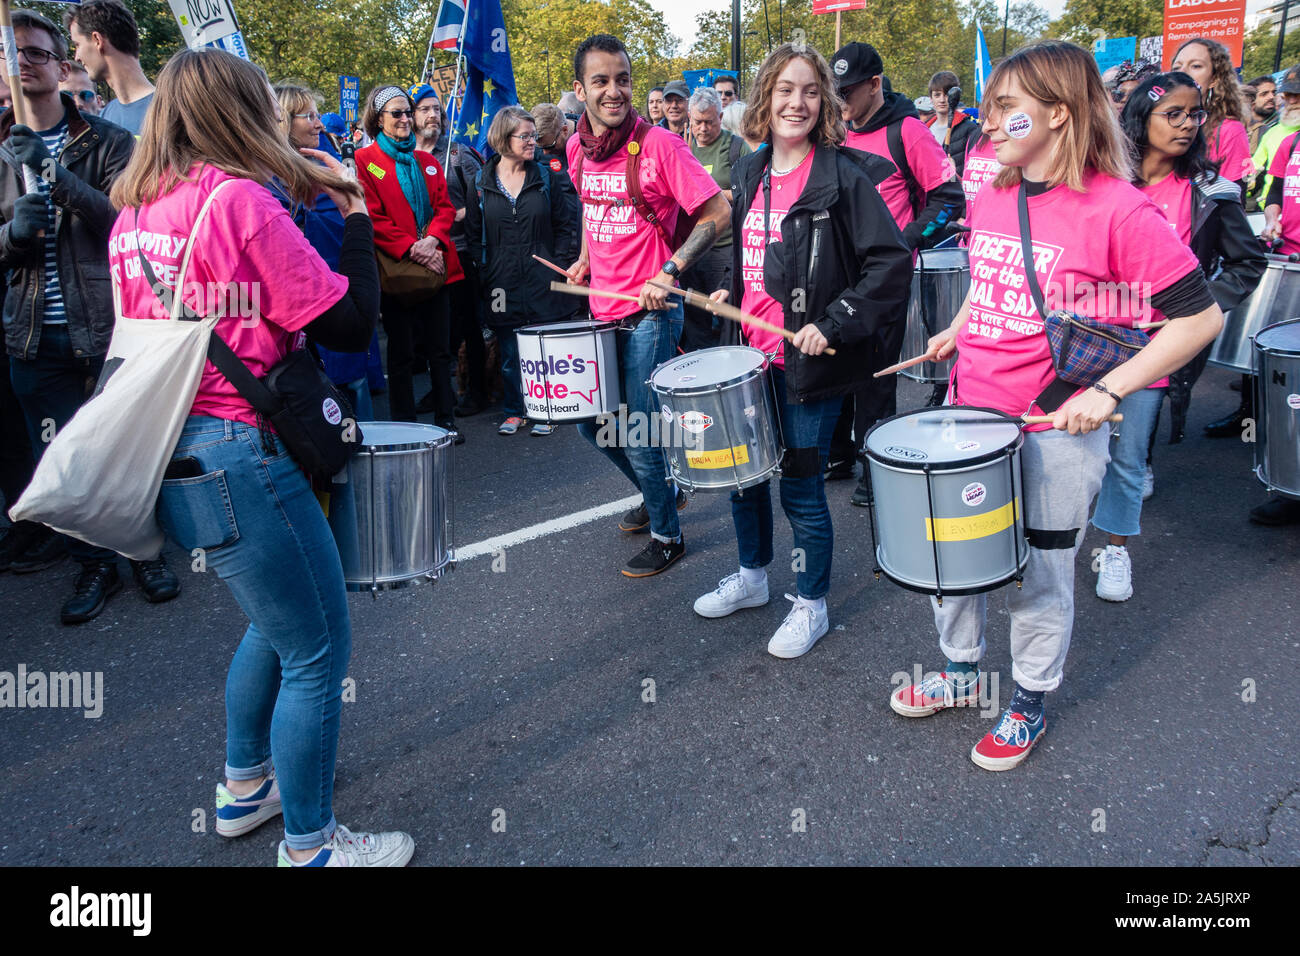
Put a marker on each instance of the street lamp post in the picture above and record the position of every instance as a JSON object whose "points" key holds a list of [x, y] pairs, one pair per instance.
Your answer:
{"points": [[1281, 34], [550, 98], [740, 71]]}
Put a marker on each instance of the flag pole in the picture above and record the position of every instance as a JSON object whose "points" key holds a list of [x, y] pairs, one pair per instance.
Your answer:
{"points": [[16, 87], [428, 53], [460, 59]]}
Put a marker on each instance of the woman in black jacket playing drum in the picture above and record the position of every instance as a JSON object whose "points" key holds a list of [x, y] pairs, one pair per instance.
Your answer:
{"points": [[818, 254]]}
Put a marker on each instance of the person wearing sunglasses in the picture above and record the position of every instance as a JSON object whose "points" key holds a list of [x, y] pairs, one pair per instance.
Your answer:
{"points": [[406, 192], [1127, 78], [81, 88], [1164, 122]]}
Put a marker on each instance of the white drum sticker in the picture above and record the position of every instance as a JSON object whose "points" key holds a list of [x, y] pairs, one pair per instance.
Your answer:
{"points": [[668, 414], [685, 378], [973, 495], [696, 422], [967, 446], [1293, 400], [330, 409]]}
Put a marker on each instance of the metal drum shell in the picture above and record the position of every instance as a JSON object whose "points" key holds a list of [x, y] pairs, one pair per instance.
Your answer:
{"points": [[1275, 299], [1277, 405], [392, 515], [559, 340], [726, 402], [903, 506], [941, 288]]}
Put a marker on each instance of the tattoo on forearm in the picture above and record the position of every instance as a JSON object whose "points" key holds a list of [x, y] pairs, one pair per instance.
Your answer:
{"points": [[698, 242]]}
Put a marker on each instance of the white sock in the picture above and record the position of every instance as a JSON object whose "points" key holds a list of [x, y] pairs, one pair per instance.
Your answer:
{"points": [[753, 577], [818, 605]]}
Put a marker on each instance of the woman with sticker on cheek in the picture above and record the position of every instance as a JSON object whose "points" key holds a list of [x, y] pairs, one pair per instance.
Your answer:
{"points": [[1164, 121], [413, 214], [1090, 232]]}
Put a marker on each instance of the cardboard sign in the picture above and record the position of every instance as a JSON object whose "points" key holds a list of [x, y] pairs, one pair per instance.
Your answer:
{"points": [[441, 79], [349, 97], [203, 22], [1222, 20]]}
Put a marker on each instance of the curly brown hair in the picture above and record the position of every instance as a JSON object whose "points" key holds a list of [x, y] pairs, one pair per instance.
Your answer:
{"points": [[1223, 98], [829, 130]]}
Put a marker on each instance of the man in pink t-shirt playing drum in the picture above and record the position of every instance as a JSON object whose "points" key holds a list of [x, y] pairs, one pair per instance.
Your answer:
{"points": [[626, 246]]}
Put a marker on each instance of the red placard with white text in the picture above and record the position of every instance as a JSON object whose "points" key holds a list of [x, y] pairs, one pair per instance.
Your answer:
{"points": [[1222, 20]]}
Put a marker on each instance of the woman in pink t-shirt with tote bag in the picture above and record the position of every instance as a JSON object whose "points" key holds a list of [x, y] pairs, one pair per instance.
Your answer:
{"points": [[196, 212], [1053, 130]]}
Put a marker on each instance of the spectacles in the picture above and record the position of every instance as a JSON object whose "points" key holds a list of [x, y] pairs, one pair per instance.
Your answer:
{"points": [[1177, 118], [312, 117], [87, 95], [526, 137], [574, 117], [37, 56], [398, 114]]}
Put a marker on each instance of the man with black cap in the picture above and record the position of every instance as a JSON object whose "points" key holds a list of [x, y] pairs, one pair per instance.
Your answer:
{"points": [[923, 194], [676, 95]]}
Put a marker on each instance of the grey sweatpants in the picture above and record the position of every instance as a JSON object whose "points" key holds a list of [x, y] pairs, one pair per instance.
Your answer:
{"points": [[1063, 473]]}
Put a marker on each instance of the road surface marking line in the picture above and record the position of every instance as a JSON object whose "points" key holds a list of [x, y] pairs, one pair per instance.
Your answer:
{"points": [[489, 545]]}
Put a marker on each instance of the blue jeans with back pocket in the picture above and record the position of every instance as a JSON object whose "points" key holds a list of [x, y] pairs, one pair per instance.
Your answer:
{"points": [[250, 516]]}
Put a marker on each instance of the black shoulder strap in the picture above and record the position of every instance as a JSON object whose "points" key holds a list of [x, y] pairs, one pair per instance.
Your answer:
{"points": [[894, 137], [1027, 249], [733, 149]]}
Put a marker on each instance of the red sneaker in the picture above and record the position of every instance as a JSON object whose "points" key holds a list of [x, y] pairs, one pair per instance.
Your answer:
{"points": [[1009, 742], [935, 693]]}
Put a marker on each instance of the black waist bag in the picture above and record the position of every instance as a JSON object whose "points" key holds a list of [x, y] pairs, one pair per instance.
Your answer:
{"points": [[312, 417]]}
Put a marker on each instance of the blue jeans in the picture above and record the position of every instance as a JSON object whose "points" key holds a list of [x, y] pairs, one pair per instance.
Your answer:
{"points": [[262, 530], [1119, 504], [806, 430], [513, 404], [640, 350]]}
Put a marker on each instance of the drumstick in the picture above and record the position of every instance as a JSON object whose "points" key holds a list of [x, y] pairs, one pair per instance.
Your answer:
{"points": [[1048, 419], [1152, 325], [727, 311], [588, 292], [927, 357], [551, 265]]}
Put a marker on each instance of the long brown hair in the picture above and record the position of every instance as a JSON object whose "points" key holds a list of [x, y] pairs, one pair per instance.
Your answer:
{"points": [[829, 130], [1223, 98], [215, 109], [1055, 72]]}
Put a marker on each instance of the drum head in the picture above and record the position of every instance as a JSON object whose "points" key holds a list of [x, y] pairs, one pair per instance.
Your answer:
{"points": [[1283, 337], [933, 260], [391, 434], [950, 437], [563, 328], [707, 368]]}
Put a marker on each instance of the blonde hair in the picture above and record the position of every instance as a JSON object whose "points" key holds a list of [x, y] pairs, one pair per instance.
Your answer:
{"points": [[550, 123], [1223, 98], [505, 124], [1055, 72], [213, 108], [294, 99], [829, 130]]}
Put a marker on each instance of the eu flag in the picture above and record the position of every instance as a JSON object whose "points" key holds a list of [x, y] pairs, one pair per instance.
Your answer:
{"points": [[490, 77]]}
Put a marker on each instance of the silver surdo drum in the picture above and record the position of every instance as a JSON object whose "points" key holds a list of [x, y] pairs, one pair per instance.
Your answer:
{"points": [[939, 287], [1277, 404], [946, 499], [391, 508], [569, 370], [1275, 299], [717, 408]]}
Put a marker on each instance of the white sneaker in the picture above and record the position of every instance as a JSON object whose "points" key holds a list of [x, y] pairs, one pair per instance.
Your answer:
{"points": [[1148, 484], [1115, 580], [731, 594], [799, 631], [346, 848]]}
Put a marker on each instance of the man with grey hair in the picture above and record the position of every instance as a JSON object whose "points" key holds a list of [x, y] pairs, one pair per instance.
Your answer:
{"points": [[718, 152], [572, 108]]}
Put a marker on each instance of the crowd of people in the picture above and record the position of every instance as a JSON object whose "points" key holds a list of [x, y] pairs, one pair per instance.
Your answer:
{"points": [[805, 204]]}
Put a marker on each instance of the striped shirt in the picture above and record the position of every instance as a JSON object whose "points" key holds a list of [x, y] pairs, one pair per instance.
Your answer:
{"points": [[54, 311]]}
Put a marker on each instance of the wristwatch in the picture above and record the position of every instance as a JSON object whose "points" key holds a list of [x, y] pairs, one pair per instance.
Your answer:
{"points": [[670, 269]]}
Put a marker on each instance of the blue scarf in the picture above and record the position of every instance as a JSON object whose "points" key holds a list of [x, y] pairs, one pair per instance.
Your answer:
{"points": [[409, 177]]}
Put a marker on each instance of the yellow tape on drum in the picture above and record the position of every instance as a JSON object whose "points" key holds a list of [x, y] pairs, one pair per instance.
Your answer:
{"points": [[970, 528], [718, 458]]}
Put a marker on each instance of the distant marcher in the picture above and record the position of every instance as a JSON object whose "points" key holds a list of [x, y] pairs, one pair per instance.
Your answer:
{"points": [[728, 90], [952, 127], [81, 88], [676, 95], [1210, 65], [654, 104], [108, 46]]}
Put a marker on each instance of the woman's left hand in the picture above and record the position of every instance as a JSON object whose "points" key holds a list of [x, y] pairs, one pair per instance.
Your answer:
{"points": [[810, 341], [325, 159], [1084, 413]]}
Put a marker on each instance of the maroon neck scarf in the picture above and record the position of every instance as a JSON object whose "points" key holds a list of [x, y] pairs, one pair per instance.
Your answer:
{"points": [[598, 148]]}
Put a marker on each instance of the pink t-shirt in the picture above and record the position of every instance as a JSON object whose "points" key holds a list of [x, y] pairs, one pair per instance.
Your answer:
{"points": [[249, 260], [1173, 197], [930, 165], [982, 166], [1286, 166], [624, 249], [1230, 148], [753, 254], [1100, 253]]}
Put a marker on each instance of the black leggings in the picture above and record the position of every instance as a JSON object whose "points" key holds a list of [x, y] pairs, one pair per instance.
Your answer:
{"points": [[418, 334]]}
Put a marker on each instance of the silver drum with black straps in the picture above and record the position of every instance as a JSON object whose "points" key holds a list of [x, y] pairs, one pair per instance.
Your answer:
{"points": [[1275, 299], [1277, 403], [391, 509], [946, 500], [718, 418], [569, 370], [939, 287]]}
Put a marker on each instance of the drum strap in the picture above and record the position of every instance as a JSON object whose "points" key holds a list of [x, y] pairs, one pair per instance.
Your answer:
{"points": [[1059, 390], [1051, 540]]}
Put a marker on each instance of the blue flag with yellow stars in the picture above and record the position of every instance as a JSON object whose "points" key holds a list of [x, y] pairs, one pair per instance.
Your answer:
{"points": [[490, 77], [698, 78]]}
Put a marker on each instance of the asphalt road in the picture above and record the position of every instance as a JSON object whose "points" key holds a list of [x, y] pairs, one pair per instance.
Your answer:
{"points": [[516, 696]]}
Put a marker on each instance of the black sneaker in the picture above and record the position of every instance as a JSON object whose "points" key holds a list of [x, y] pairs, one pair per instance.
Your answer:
{"points": [[637, 521], [862, 493], [15, 540], [156, 580], [471, 406], [97, 582], [837, 469], [1277, 512], [457, 435], [1232, 426], [47, 550], [654, 557]]}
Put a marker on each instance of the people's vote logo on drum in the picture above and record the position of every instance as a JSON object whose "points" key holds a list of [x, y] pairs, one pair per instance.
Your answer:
{"points": [[1000, 299]]}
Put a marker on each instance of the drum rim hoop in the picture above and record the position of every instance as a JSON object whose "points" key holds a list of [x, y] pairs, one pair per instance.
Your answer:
{"points": [[920, 467], [565, 328], [713, 386]]}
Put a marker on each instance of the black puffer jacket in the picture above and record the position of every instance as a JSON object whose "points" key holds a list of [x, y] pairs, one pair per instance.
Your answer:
{"points": [[841, 256], [958, 139], [503, 239], [93, 155]]}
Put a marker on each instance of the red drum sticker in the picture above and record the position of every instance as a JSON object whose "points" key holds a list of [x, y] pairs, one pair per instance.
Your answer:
{"points": [[696, 422]]}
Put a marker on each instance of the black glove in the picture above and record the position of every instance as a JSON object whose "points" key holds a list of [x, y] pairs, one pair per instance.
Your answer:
{"points": [[31, 215], [30, 149]]}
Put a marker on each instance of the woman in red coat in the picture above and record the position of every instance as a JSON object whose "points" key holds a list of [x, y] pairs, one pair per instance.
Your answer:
{"points": [[406, 193]]}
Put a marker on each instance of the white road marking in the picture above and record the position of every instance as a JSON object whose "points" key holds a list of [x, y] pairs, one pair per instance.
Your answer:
{"points": [[532, 532]]}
